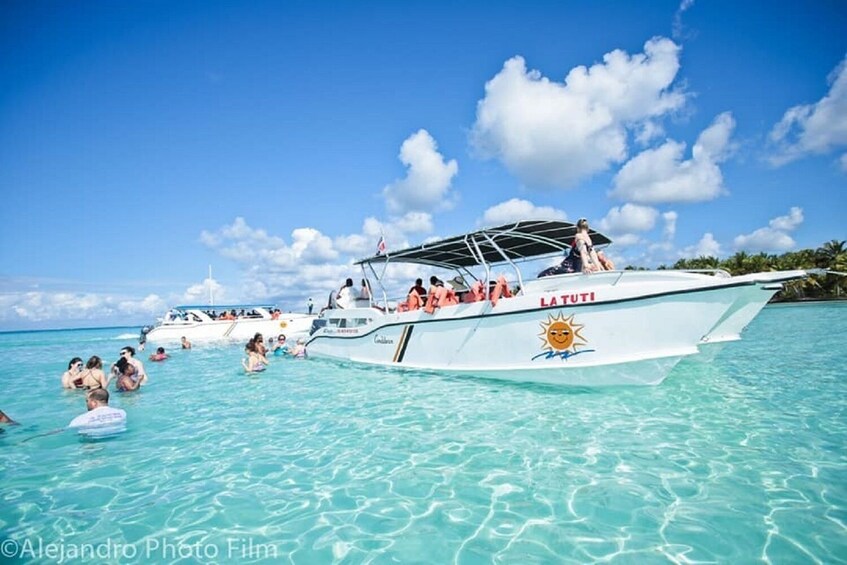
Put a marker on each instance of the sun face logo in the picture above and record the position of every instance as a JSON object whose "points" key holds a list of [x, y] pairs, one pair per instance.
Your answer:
{"points": [[561, 335]]}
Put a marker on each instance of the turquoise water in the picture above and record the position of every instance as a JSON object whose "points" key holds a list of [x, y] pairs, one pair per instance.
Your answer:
{"points": [[738, 460]]}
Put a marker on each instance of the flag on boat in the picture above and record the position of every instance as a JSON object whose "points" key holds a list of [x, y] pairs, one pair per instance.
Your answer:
{"points": [[380, 245]]}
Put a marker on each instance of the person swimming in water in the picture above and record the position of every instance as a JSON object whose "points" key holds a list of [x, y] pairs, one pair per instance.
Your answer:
{"points": [[160, 354]]}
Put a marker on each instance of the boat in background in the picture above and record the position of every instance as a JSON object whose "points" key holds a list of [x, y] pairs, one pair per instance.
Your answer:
{"points": [[606, 328], [237, 322]]}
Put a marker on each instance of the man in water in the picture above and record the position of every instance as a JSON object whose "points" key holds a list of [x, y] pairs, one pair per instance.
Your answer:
{"points": [[160, 354], [101, 419]]}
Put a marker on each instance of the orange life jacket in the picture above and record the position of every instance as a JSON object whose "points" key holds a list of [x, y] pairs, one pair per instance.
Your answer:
{"points": [[500, 289]]}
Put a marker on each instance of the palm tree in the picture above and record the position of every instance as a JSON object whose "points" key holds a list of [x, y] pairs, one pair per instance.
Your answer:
{"points": [[830, 253], [737, 264], [833, 257]]}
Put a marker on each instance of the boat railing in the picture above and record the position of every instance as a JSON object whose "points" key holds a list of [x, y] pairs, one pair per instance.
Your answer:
{"points": [[722, 273]]}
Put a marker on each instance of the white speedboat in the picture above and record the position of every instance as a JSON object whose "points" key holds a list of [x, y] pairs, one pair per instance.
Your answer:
{"points": [[608, 328], [231, 322]]}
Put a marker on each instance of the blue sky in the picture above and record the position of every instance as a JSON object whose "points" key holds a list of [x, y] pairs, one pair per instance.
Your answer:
{"points": [[141, 142]]}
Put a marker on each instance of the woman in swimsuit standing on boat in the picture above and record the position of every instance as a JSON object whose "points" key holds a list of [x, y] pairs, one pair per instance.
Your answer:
{"points": [[72, 379], [585, 248]]}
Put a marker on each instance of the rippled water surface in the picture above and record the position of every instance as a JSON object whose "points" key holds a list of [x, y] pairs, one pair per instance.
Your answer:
{"points": [[740, 459]]}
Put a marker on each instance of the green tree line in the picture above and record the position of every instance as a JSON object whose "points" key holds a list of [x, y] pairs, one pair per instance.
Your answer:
{"points": [[831, 256]]}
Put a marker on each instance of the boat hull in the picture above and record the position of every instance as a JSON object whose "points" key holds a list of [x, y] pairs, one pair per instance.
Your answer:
{"points": [[749, 302], [602, 334], [242, 329]]}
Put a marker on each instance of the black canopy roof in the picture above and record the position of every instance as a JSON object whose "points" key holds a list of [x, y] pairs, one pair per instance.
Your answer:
{"points": [[517, 241]]}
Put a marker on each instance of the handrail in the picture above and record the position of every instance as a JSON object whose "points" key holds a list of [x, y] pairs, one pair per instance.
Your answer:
{"points": [[723, 273], [507, 259]]}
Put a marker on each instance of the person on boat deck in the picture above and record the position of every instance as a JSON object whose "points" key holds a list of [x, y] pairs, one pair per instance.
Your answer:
{"points": [[365, 293], [185, 343], [585, 248], [72, 378], [346, 297], [128, 380], [419, 288], [160, 354], [607, 263], [93, 376], [434, 283], [310, 305], [129, 353]]}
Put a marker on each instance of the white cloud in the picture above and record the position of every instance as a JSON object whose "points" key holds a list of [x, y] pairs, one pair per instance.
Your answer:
{"points": [[200, 293], [661, 175], [775, 237], [629, 218], [627, 239], [52, 309], [517, 209], [554, 134], [312, 246], [412, 222], [247, 246], [670, 225], [312, 264], [678, 27], [152, 305], [395, 231], [706, 247], [813, 128], [648, 131], [427, 184]]}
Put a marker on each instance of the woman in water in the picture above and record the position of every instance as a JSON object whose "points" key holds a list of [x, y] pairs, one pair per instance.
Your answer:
{"points": [[128, 380], [72, 378], [280, 347], [93, 376], [299, 350], [259, 341], [255, 362]]}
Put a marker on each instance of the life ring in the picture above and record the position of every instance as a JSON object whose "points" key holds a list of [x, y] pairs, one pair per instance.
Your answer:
{"points": [[283, 324]]}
